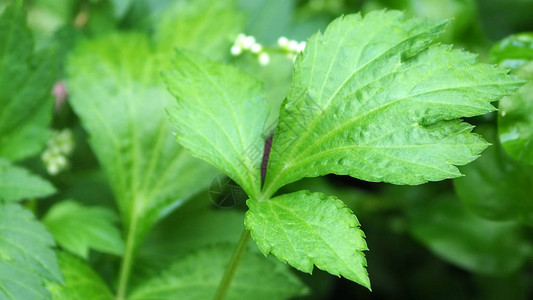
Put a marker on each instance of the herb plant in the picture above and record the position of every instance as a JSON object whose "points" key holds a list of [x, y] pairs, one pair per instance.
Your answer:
{"points": [[376, 97], [371, 98]]}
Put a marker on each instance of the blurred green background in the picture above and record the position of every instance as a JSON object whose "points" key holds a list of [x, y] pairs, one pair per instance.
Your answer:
{"points": [[469, 238]]}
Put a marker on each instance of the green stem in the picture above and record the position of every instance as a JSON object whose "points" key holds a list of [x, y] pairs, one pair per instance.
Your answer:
{"points": [[127, 260], [232, 267]]}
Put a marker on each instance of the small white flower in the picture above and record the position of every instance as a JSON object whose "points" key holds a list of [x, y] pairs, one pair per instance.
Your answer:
{"points": [[264, 59], [59, 147], [283, 42], [52, 169], [240, 39], [236, 50], [293, 45], [256, 48], [248, 42]]}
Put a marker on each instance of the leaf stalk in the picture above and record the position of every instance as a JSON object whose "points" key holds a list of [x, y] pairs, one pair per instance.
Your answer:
{"points": [[127, 260], [232, 267]]}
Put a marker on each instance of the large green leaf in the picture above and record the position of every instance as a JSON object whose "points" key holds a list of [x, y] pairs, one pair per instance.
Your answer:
{"points": [[496, 186], [116, 90], [196, 277], [26, 259], [453, 233], [372, 99], [220, 116], [306, 229], [17, 183], [77, 228], [209, 27], [515, 119], [81, 282], [26, 80]]}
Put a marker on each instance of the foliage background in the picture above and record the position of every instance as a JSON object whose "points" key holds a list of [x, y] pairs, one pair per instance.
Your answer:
{"points": [[468, 238]]}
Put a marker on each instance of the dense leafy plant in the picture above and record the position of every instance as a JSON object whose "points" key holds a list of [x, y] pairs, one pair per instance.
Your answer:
{"points": [[375, 97]]}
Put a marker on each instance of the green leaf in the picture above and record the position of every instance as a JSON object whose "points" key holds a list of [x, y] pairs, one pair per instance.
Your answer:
{"points": [[178, 236], [202, 25], [26, 79], [513, 51], [26, 259], [184, 231], [459, 237], [81, 282], [18, 282], [17, 183], [117, 91], [515, 119], [496, 186], [373, 100], [305, 229], [197, 275], [77, 228], [220, 116]]}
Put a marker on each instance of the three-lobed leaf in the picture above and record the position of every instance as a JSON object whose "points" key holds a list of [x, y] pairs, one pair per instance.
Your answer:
{"points": [[372, 99], [306, 229], [17, 183], [219, 117], [77, 228]]}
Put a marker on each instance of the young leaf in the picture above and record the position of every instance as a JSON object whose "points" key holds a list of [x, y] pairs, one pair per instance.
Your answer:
{"points": [[26, 80], [220, 116], [26, 259], [515, 119], [197, 275], [202, 25], [371, 99], [476, 244], [17, 183], [496, 186], [81, 282], [306, 229], [117, 91], [77, 228]]}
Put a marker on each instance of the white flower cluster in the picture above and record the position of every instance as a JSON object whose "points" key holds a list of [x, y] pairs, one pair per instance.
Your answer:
{"points": [[59, 147], [245, 43], [291, 48]]}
